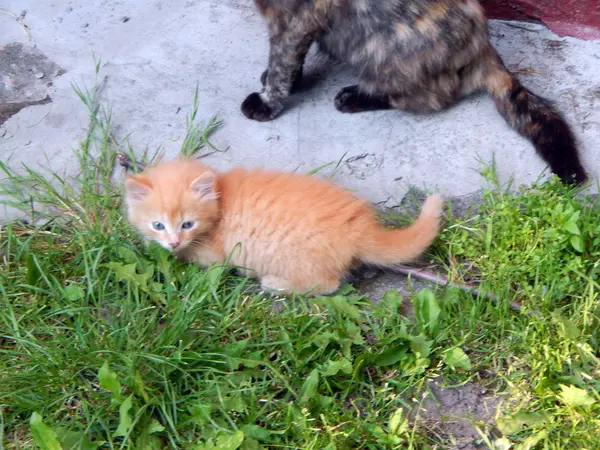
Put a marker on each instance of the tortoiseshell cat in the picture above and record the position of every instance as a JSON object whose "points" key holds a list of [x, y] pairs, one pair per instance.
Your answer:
{"points": [[414, 55]]}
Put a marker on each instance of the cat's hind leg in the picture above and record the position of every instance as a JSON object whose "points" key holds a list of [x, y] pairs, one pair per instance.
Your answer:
{"points": [[436, 94], [273, 283], [421, 103], [352, 100], [325, 287]]}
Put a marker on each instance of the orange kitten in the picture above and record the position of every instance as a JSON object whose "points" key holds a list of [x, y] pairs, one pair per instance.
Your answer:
{"points": [[296, 233]]}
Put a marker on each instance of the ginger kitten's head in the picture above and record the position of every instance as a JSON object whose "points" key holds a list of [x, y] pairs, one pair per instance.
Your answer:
{"points": [[173, 203]]}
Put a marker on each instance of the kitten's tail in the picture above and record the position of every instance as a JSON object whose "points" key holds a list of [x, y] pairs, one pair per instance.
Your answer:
{"points": [[384, 247], [535, 118]]}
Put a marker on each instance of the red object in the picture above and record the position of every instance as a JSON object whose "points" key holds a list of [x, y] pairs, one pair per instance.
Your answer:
{"points": [[576, 18]]}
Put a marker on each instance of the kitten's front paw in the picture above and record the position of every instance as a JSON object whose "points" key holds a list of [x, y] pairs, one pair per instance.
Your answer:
{"points": [[255, 108]]}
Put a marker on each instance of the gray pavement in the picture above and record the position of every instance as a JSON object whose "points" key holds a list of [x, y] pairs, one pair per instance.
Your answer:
{"points": [[154, 53]]}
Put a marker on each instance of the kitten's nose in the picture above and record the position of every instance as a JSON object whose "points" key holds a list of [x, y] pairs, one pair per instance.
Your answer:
{"points": [[174, 244]]}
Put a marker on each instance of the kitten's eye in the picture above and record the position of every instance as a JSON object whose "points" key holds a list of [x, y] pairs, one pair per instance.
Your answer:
{"points": [[158, 226], [187, 225]]}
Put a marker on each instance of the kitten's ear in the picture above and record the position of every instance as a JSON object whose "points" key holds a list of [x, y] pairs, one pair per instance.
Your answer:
{"points": [[204, 186], [136, 189]]}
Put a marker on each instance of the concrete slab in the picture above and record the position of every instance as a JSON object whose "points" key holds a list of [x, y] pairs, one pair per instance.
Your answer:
{"points": [[27, 77], [154, 53]]}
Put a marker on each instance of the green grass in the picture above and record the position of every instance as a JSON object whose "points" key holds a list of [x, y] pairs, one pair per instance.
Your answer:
{"points": [[107, 344]]}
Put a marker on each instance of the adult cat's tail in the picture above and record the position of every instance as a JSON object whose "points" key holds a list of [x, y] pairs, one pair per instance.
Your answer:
{"points": [[535, 118], [384, 247]]}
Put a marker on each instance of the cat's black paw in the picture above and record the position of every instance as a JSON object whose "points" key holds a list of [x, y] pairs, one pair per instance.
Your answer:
{"points": [[347, 100], [296, 85], [255, 108], [351, 100]]}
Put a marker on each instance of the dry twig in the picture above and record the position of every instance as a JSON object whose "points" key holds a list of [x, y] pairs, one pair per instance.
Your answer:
{"points": [[441, 280]]}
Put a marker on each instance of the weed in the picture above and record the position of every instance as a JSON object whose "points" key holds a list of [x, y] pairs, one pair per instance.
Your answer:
{"points": [[105, 343]]}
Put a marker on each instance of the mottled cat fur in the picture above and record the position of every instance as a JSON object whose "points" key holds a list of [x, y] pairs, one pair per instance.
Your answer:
{"points": [[296, 233], [414, 55]]}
